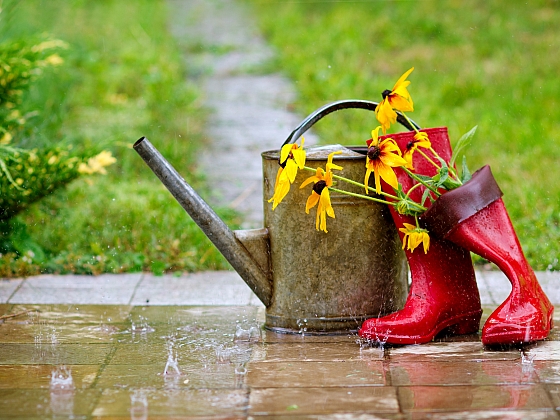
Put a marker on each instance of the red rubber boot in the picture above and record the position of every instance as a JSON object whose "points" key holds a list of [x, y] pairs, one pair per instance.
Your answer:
{"points": [[443, 294], [474, 217]]}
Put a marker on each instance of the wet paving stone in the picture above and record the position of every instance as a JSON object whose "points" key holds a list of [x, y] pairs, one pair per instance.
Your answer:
{"points": [[222, 364], [42, 333], [74, 314], [297, 401], [315, 352], [275, 337], [315, 374], [451, 351], [25, 403], [547, 371], [195, 315], [5, 308], [193, 376], [54, 354], [39, 376], [461, 373], [172, 403], [486, 397], [544, 350], [488, 415]]}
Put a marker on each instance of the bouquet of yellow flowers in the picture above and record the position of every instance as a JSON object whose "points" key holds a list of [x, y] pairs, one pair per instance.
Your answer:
{"points": [[383, 157]]}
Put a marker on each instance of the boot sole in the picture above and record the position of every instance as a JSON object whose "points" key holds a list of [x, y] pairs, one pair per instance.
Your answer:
{"points": [[458, 325]]}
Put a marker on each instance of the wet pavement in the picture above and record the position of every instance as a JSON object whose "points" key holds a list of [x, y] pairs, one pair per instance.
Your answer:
{"points": [[140, 346]]}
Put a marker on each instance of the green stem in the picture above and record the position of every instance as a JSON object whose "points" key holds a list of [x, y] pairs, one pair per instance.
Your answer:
{"points": [[413, 176], [410, 122], [358, 184], [366, 197]]}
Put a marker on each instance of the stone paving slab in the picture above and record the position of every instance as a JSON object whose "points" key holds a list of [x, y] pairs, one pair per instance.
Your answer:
{"points": [[202, 288], [272, 376], [104, 289]]}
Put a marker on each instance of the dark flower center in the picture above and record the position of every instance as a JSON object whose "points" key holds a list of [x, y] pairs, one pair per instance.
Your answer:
{"points": [[373, 152], [410, 145], [385, 93], [319, 186]]}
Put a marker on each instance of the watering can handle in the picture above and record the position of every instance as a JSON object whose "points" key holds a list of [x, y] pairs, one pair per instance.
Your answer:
{"points": [[307, 123]]}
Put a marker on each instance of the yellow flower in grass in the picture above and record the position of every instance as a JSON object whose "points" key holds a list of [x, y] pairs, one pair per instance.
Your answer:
{"points": [[320, 196], [382, 157], [396, 99], [415, 236], [96, 164], [420, 140], [292, 157]]}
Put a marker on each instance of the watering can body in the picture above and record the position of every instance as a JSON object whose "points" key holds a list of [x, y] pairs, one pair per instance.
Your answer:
{"points": [[309, 281], [330, 281]]}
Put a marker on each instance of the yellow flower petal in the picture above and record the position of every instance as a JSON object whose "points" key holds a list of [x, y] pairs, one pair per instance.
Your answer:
{"points": [[319, 175], [402, 79], [385, 115], [392, 159], [387, 174], [330, 165], [312, 201], [291, 170], [285, 152]]}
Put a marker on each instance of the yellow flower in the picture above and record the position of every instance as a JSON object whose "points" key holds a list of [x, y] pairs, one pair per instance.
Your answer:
{"points": [[292, 157], [320, 194], [97, 163], [415, 237], [420, 140], [382, 157], [281, 187], [54, 60], [396, 99]]}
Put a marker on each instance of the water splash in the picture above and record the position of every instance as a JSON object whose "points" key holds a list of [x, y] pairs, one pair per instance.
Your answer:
{"points": [[223, 354], [250, 333], [139, 404], [61, 378], [527, 359], [141, 326], [46, 335], [172, 364], [368, 343], [240, 374], [62, 391], [302, 325]]}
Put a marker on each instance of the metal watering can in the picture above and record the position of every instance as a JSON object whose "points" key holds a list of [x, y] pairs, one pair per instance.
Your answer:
{"points": [[309, 281]]}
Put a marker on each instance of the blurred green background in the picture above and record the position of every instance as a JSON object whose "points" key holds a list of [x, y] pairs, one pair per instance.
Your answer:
{"points": [[123, 77], [488, 63]]}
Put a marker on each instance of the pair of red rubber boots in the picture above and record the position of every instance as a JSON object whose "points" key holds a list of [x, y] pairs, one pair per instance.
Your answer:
{"points": [[444, 297]]}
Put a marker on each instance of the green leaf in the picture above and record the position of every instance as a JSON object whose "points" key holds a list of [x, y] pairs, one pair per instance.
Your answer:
{"points": [[462, 143], [425, 196], [441, 177], [465, 172]]}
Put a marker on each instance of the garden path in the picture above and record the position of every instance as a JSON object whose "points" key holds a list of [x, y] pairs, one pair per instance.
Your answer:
{"points": [[249, 106]]}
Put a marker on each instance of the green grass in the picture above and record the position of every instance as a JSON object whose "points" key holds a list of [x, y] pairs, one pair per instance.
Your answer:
{"points": [[123, 78], [482, 63]]}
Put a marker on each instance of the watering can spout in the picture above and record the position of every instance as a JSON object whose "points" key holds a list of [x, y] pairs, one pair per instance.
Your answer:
{"points": [[246, 251]]}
